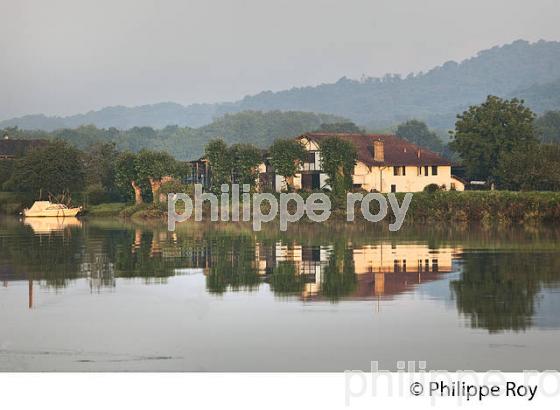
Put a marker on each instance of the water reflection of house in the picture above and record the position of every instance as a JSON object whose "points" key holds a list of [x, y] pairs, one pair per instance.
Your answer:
{"points": [[388, 269], [308, 261], [382, 270]]}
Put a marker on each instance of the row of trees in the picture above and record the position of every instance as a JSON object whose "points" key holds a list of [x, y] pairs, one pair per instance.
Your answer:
{"points": [[239, 163], [101, 174]]}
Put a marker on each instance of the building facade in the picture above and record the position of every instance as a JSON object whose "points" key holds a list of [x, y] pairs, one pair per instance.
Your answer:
{"points": [[385, 163]]}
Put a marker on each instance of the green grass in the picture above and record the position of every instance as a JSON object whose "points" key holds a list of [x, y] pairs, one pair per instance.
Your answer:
{"points": [[109, 209]]}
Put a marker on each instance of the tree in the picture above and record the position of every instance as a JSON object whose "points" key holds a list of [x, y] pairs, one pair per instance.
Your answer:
{"points": [[286, 156], [126, 175], [153, 166], [418, 133], [99, 163], [238, 163], [531, 168], [246, 159], [486, 132], [548, 127], [338, 158], [218, 155], [55, 169], [341, 127]]}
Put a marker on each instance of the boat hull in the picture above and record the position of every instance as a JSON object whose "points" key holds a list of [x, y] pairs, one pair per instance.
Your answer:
{"points": [[52, 213]]}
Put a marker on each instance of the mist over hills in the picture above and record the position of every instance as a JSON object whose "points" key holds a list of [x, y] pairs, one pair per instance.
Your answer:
{"points": [[185, 143], [520, 69]]}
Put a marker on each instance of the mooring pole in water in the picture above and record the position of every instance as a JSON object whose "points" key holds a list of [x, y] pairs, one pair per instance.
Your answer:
{"points": [[30, 293]]}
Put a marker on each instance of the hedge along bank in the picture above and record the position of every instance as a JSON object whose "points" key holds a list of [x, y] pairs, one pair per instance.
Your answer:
{"points": [[317, 207]]}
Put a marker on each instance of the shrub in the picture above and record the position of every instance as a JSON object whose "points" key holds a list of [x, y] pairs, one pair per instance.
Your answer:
{"points": [[432, 188], [95, 194]]}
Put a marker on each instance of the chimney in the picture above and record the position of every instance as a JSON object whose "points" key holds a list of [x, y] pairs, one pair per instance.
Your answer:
{"points": [[378, 151]]}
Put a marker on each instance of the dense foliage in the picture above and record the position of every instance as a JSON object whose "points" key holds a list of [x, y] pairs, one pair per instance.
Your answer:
{"points": [[548, 127], [50, 170], [536, 168], [236, 164], [484, 206], [338, 158], [258, 128], [418, 133], [486, 132], [286, 156]]}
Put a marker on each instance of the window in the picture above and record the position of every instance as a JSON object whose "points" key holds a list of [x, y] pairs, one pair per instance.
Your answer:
{"points": [[310, 157], [426, 171], [419, 171], [434, 169], [309, 162], [398, 171], [393, 188]]}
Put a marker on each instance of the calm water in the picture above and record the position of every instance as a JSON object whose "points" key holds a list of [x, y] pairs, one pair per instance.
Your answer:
{"points": [[104, 295]]}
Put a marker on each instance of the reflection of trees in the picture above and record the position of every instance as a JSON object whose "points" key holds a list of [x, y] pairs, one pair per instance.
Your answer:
{"points": [[232, 263], [98, 254], [497, 290], [52, 258], [339, 276], [138, 254], [285, 280]]}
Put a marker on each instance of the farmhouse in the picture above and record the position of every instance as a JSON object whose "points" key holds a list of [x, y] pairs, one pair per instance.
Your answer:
{"points": [[385, 163]]}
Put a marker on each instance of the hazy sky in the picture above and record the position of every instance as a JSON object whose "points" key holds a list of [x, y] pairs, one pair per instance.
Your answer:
{"points": [[70, 56]]}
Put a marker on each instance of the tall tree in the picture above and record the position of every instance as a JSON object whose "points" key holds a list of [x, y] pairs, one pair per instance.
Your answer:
{"points": [[286, 156], [418, 133], [126, 175], [490, 130], [99, 163], [153, 166], [219, 157], [55, 169], [246, 159]]}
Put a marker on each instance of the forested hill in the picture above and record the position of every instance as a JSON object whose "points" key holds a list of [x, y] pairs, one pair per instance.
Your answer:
{"points": [[517, 69], [436, 96], [185, 143]]}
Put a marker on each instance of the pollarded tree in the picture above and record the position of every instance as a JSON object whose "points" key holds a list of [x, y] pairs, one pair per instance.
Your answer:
{"points": [[286, 156], [488, 131], [152, 166], [338, 158]]}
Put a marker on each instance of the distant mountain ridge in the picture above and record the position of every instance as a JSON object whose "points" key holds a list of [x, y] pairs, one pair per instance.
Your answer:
{"points": [[529, 70]]}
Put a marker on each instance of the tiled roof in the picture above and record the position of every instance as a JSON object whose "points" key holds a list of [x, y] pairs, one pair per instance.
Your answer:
{"points": [[396, 150], [16, 148]]}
